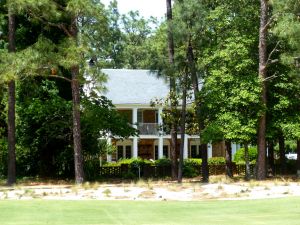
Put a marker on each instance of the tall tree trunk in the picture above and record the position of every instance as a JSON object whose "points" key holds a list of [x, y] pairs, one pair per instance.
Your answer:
{"points": [[261, 159], [172, 90], [247, 163], [228, 157], [298, 158], [182, 126], [78, 159], [203, 147], [271, 157], [282, 154], [11, 173]]}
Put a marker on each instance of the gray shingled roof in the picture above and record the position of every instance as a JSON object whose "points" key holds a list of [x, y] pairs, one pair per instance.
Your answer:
{"points": [[134, 86]]}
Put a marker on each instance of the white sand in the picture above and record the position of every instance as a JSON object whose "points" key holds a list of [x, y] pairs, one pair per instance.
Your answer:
{"points": [[156, 191]]}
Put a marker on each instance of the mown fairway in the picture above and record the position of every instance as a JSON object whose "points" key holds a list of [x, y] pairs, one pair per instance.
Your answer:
{"points": [[274, 211]]}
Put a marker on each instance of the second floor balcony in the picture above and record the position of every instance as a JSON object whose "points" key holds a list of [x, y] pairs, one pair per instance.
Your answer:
{"points": [[148, 128]]}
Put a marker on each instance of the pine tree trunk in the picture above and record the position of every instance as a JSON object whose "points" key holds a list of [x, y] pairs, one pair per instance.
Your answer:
{"points": [[203, 147], [182, 126], [282, 154], [172, 91], [78, 159], [228, 156], [11, 173], [261, 160], [271, 158], [247, 169], [298, 158]]}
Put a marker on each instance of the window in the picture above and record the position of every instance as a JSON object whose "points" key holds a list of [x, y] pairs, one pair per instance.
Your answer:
{"points": [[120, 151], [166, 151], [140, 116], [200, 152], [156, 116], [128, 151], [193, 151]]}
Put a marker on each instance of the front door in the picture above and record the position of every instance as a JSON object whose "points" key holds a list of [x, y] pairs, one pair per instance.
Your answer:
{"points": [[146, 151]]}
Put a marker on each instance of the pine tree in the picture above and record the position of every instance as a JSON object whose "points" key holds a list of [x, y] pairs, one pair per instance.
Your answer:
{"points": [[11, 175]]}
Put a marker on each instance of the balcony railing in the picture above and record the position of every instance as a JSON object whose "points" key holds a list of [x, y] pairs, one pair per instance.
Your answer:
{"points": [[148, 128]]}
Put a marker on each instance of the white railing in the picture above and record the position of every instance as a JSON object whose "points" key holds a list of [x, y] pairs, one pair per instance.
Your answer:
{"points": [[148, 128]]}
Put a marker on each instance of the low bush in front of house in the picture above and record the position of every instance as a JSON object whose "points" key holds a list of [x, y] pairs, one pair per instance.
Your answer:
{"points": [[163, 162], [135, 167], [134, 162], [216, 161], [191, 167], [239, 156]]}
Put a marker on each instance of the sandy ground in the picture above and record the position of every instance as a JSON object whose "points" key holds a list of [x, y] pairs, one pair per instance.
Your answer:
{"points": [[219, 188]]}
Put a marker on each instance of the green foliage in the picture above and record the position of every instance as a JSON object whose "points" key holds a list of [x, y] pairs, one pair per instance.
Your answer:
{"points": [[43, 130], [191, 167], [3, 157], [129, 175], [216, 161], [134, 162], [239, 156], [163, 162], [189, 171], [192, 162]]}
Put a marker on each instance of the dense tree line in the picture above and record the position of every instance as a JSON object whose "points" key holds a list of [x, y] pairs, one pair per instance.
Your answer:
{"points": [[237, 61]]}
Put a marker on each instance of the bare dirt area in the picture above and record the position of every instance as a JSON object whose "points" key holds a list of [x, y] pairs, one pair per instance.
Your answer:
{"points": [[219, 187]]}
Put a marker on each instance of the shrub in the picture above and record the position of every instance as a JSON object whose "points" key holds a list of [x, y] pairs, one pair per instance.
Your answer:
{"points": [[91, 168], [189, 171], [134, 162], [3, 157], [216, 161], [129, 175], [163, 162], [191, 167], [239, 156], [193, 162]]}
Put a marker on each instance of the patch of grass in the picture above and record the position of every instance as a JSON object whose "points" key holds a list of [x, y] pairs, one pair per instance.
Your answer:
{"points": [[221, 179], [267, 188], [254, 183], [245, 191], [95, 185], [147, 194], [75, 189], [175, 187], [107, 192], [29, 192], [220, 187], [5, 194], [263, 212]]}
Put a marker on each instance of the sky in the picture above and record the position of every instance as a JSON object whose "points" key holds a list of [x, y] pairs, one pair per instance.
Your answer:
{"points": [[147, 8]]}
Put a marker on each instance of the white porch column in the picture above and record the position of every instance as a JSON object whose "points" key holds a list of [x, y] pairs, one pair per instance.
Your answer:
{"points": [[160, 139], [135, 139], [233, 149], [209, 150], [160, 147], [159, 119], [108, 157], [185, 147]]}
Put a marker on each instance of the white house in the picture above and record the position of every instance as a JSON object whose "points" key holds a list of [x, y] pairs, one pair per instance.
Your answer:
{"points": [[131, 91]]}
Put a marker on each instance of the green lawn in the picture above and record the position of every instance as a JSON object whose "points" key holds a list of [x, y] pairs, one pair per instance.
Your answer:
{"points": [[274, 211]]}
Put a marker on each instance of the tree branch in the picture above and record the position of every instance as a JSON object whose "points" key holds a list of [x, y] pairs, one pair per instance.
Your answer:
{"points": [[58, 25], [270, 21], [269, 61], [60, 77], [272, 77]]}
